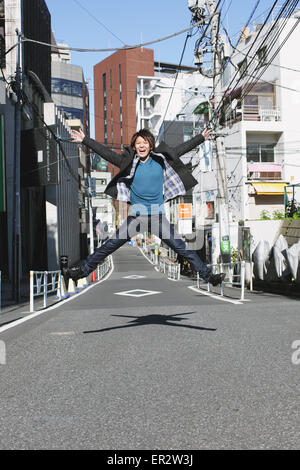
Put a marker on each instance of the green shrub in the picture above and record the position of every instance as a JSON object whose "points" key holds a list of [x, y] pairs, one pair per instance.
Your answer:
{"points": [[264, 215], [277, 215]]}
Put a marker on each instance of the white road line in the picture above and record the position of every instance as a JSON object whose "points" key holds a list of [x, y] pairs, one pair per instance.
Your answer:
{"points": [[142, 293], [215, 296], [58, 304], [145, 256]]}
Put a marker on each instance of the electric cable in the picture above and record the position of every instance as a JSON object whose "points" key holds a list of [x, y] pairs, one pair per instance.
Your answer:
{"points": [[270, 47], [136, 46], [256, 78], [37, 113], [251, 85], [216, 111], [176, 77], [182, 54], [98, 21]]}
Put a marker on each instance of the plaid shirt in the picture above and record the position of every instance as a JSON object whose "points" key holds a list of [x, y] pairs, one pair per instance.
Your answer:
{"points": [[173, 186]]}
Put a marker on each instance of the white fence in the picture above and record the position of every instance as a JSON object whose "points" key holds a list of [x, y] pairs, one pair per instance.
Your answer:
{"points": [[103, 269], [43, 283], [46, 283], [171, 269], [235, 276], [164, 265]]}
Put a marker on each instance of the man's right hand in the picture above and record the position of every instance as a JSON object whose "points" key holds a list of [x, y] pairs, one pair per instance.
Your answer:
{"points": [[77, 136]]}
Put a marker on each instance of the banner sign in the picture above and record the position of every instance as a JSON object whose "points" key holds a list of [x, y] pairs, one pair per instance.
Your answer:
{"points": [[185, 211], [185, 217]]}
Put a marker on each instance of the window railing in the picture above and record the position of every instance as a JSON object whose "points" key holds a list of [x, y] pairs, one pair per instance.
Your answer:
{"points": [[254, 113], [264, 171], [259, 113]]}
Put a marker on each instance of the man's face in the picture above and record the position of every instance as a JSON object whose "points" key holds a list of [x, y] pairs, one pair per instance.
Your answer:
{"points": [[142, 147]]}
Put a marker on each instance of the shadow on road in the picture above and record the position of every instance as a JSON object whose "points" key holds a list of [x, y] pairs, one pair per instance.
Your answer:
{"points": [[165, 320]]}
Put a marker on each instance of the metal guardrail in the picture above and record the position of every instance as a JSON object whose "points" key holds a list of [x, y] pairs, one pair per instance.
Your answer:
{"points": [[235, 276], [44, 283], [172, 269], [164, 265], [0, 291], [103, 268]]}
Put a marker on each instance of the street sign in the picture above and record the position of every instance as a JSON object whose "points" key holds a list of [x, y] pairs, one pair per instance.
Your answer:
{"points": [[185, 211], [185, 217]]}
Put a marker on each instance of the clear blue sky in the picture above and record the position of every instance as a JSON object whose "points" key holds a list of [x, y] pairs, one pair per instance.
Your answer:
{"points": [[99, 24]]}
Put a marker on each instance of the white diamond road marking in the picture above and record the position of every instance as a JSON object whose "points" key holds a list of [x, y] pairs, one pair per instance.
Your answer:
{"points": [[138, 293], [134, 276]]}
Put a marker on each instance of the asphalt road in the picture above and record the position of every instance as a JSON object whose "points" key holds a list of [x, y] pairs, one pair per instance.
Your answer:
{"points": [[171, 370]]}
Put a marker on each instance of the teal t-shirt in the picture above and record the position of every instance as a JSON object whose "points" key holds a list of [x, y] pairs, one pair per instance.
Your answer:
{"points": [[146, 191]]}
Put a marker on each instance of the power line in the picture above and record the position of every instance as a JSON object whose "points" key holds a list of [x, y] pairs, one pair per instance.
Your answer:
{"points": [[37, 113], [233, 79], [171, 95], [136, 46], [238, 51], [247, 90], [198, 42], [98, 21], [270, 46], [247, 23]]}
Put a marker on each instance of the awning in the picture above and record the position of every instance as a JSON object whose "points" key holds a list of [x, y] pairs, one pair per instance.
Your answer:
{"points": [[202, 108], [264, 167], [270, 189]]}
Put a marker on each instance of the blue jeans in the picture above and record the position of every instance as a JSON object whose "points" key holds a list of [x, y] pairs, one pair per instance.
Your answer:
{"points": [[156, 225]]}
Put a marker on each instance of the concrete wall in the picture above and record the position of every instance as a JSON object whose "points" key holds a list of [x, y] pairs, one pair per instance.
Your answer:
{"points": [[268, 230], [290, 229]]}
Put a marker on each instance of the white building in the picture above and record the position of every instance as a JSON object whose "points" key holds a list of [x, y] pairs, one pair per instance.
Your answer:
{"points": [[260, 116], [160, 98]]}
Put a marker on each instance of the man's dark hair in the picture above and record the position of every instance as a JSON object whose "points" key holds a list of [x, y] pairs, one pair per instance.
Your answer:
{"points": [[145, 134]]}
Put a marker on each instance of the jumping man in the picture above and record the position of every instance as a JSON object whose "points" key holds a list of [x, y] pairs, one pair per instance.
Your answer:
{"points": [[148, 177]]}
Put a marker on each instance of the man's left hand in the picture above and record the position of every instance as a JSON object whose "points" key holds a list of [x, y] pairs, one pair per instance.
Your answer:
{"points": [[206, 133]]}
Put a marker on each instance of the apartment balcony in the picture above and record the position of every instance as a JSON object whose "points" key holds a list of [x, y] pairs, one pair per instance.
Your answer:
{"points": [[265, 179], [150, 93], [264, 172], [257, 118], [259, 113], [149, 113]]}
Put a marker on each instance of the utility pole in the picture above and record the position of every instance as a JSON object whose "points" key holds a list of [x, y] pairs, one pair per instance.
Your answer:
{"points": [[16, 275], [220, 144], [198, 8]]}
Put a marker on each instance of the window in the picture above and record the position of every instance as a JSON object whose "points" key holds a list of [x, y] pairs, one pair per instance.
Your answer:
{"points": [[187, 133], [72, 113], [104, 107], [66, 87], [242, 68], [260, 153], [121, 105], [262, 56], [210, 210]]}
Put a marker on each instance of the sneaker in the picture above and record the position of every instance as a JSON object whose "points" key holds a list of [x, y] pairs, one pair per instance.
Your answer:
{"points": [[74, 273], [216, 279]]}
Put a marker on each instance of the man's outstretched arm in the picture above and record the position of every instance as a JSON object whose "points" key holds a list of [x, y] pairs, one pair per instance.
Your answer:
{"points": [[100, 149], [186, 147]]}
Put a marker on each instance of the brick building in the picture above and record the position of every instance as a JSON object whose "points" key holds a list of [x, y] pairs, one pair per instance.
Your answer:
{"points": [[115, 82]]}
